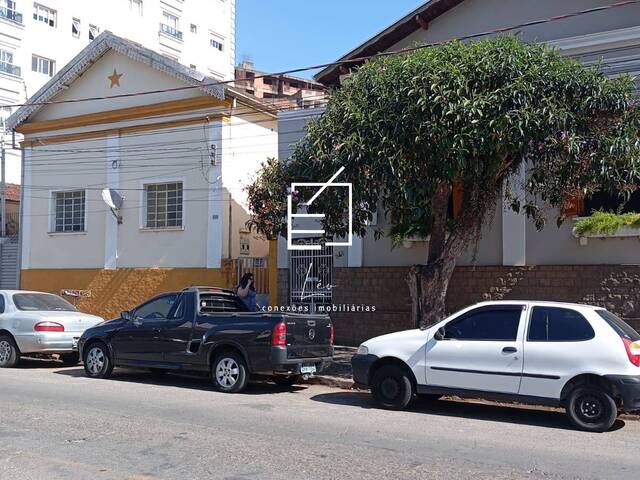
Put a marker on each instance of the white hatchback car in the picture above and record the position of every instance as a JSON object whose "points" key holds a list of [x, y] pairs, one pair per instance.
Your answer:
{"points": [[37, 323], [581, 357]]}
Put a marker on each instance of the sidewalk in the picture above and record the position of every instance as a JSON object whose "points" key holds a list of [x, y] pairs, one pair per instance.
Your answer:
{"points": [[339, 373]]}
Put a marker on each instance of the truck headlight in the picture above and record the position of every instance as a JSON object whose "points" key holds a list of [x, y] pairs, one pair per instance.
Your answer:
{"points": [[362, 350]]}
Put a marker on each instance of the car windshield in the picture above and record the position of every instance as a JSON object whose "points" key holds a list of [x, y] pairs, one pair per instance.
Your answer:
{"points": [[42, 302]]}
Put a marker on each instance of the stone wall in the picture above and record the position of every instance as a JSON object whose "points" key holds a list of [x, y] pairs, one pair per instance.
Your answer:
{"points": [[616, 287]]}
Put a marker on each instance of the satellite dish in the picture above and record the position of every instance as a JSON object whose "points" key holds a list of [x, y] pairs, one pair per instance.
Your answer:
{"points": [[114, 201]]}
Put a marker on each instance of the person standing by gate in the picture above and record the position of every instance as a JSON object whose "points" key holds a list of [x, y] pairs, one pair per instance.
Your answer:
{"points": [[247, 291]]}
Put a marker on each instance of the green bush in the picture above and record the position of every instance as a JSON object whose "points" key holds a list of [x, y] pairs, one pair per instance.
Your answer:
{"points": [[607, 223]]}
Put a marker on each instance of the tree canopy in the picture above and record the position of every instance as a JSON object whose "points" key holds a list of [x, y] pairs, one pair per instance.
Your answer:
{"points": [[412, 128]]}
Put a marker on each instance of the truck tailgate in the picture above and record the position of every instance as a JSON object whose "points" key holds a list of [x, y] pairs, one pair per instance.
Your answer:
{"points": [[308, 336]]}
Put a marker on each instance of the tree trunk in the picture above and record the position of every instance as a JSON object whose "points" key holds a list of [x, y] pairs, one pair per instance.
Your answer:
{"points": [[428, 283], [428, 286]]}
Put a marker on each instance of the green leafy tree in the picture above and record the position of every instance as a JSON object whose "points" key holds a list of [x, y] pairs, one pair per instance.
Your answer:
{"points": [[410, 129]]}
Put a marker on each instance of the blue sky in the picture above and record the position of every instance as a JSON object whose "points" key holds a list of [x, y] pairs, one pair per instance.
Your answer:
{"points": [[282, 34]]}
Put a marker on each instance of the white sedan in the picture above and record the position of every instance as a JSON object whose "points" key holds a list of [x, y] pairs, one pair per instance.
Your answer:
{"points": [[41, 324], [580, 357]]}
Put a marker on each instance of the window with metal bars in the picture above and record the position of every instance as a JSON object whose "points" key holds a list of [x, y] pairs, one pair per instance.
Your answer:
{"points": [[69, 211], [163, 205]]}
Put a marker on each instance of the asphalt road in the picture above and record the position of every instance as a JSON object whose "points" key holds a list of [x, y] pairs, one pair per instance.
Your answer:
{"points": [[57, 424]]}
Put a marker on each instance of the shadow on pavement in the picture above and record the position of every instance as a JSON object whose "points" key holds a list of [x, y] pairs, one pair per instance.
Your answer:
{"points": [[196, 382], [520, 415]]}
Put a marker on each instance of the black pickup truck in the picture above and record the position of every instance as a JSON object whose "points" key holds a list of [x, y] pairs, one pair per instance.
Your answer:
{"points": [[210, 330]]}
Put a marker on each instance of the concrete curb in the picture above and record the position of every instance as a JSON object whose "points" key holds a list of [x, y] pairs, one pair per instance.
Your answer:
{"points": [[335, 382]]}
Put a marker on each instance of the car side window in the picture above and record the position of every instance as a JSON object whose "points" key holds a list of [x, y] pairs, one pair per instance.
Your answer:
{"points": [[486, 324], [156, 309], [212, 303], [1, 303], [555, 324]]}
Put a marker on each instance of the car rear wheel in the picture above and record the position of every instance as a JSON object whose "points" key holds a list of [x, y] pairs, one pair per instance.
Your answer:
{"points": [[9, 353], [229, 373], [591, 409], [391, 387], [97, 361], [70, 359]]}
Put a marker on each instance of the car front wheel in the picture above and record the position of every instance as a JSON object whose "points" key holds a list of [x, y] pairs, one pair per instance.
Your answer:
{"points": [[97, 361], [391, 387], [9, 353], [591, 409], [229, 373]]}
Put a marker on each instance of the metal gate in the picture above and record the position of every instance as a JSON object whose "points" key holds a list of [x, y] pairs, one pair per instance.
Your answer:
{"points": [[311, 274]]}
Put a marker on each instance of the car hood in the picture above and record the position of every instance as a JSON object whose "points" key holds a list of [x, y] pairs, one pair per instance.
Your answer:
{"points": [[395, 338]]}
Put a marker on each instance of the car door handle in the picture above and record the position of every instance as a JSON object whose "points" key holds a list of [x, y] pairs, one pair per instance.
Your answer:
{"points": [[509, 350]]}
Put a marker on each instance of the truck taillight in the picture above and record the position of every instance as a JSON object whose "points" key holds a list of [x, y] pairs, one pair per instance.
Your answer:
{"points": [[48, 327], [331, 333], [633, 351], [279, 338]]}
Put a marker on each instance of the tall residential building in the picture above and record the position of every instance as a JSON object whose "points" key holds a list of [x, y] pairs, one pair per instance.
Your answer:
{"points": [[37, 38]]}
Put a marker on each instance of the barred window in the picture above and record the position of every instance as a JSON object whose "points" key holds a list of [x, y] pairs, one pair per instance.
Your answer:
{"points": [[69, 211], [163, 203]]}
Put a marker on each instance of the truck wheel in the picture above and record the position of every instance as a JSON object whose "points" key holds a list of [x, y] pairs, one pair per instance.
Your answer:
{"points": [[97, 361], [229, 373], [70, 359], [591, 409], [391, 387], [9, 353], [289, 381]]}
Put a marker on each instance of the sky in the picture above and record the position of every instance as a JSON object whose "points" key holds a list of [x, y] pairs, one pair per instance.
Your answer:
{"points": [[284, 34]]}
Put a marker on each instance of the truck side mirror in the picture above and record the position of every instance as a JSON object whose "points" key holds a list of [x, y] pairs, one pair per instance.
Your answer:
{"points": [[439, 335]]}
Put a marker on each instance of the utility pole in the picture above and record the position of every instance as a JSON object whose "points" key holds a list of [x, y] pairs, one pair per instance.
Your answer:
{"points": [[3, 196]]}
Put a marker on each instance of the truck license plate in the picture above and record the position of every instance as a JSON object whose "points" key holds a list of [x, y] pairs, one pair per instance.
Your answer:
{"points": [[308, 369]]}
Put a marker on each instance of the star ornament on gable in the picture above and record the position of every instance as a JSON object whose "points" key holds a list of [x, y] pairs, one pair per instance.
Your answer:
{"points": [[115, 78]]}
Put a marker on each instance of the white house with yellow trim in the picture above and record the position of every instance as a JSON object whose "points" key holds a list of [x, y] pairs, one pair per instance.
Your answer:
{"points": [[179, 156]]}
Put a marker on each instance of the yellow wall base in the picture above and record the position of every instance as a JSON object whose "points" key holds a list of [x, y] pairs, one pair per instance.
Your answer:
{"points": [[113, 291]]}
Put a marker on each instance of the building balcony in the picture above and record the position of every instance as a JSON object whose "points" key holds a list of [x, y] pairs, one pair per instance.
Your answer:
{"points": [[172, 32], [10, 15], [10, 69]]}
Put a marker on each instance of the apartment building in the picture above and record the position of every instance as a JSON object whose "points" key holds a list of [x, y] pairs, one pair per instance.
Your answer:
{"points": [[37, 38], [285, 90]]}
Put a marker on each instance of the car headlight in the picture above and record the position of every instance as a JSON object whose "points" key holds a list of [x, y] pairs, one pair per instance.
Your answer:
{"points": [[362, 350]]}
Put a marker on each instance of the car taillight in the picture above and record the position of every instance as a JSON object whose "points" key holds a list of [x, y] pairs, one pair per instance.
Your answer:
{"points": [[331, 333], [48, 327], [633, 351], [279, 338]]}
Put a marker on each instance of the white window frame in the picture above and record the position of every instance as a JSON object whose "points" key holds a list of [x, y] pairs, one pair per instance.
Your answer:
{"points": [[53, 213], [40, 62], [143, 204], [93, 30], [46, 15], [77, 24], [137, 5], [214, 39]]}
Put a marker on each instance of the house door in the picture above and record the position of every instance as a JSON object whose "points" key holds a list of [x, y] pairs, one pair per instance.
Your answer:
{"points": [[311, 275]]}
